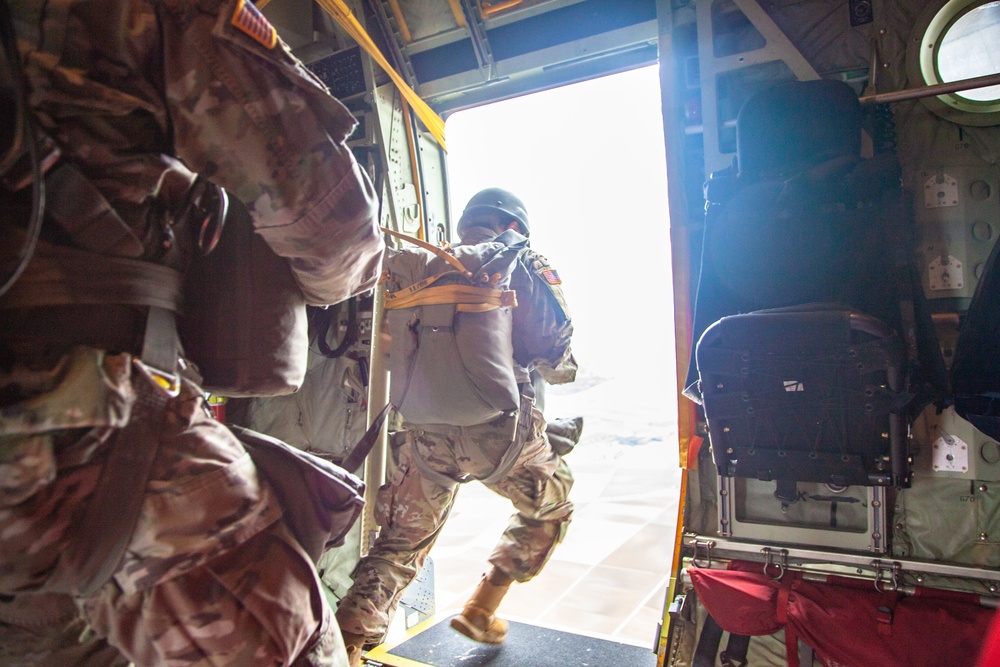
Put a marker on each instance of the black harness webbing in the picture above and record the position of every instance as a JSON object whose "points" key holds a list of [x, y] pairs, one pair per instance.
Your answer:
{"points": [[360, 451], [708, 644], [734, 655]]}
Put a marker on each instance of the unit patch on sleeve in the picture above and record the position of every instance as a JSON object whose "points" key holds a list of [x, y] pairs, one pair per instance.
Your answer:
{"points": [[249, 19], [551, 276]]}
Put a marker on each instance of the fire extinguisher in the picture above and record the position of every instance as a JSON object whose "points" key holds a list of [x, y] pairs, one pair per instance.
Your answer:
{"points": [[218, 406]]}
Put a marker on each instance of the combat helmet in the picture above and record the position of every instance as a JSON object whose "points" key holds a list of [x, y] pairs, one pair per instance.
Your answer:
{"points": [[494, 199]]}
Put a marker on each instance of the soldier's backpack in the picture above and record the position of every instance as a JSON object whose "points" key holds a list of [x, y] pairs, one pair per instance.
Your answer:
{"points": [[244, 321], [449, 313]]}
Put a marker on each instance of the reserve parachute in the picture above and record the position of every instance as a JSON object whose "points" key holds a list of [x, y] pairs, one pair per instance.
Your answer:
{"points": [[449, 314]]}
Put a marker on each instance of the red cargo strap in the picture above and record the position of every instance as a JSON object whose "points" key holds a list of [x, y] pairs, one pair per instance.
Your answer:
{"points": [[782, 608], [845, 621], [884, 617], [781, 613]]}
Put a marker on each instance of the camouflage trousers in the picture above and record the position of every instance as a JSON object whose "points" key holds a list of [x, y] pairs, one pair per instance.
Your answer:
{"points": [[412, 509], [46, 629], [211, 575]]}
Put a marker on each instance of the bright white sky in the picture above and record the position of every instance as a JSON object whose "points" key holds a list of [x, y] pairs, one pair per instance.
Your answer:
{"points": [[588, 162]]}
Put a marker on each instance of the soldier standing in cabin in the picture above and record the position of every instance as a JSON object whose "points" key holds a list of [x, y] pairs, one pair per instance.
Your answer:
{"points": [[434, 459]]}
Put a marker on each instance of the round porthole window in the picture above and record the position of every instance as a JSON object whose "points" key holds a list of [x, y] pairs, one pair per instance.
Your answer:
{"points": [[959, 41]]}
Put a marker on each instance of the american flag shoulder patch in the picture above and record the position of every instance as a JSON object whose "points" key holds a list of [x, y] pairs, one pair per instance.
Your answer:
{"points": [[249, 20], [551, 276]]}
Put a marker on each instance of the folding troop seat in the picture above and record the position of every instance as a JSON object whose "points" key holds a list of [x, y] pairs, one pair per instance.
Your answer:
{"points": [[799, 365]]}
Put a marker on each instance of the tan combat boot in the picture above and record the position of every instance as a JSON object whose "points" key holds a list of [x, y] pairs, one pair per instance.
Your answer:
{"points": [[478, 620], [354, 644]]}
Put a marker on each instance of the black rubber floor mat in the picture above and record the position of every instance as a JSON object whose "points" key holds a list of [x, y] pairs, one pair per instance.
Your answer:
{"points": [[526, 646]]}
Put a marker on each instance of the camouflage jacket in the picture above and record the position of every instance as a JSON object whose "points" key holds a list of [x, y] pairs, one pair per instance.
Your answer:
{"points": [[140, 94]]}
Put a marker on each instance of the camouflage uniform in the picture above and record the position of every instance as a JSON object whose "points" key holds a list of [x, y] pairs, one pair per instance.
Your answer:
{"points": [[46, 630], [414, 504], [139, 95]]}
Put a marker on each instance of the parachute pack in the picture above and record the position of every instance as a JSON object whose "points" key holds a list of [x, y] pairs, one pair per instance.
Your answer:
{"points": [[449, 314]]}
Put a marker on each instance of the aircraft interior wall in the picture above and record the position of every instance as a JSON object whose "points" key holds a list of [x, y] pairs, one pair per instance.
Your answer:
{"points": [[951, 182], [924, 140], [946, 515], [926, 145]]}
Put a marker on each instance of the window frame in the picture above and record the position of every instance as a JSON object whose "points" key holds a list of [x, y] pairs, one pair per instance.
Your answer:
{"points": [[922, 60]]}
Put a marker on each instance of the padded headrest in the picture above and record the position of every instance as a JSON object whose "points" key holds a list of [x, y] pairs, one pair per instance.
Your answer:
{"points": [[795, 125]]}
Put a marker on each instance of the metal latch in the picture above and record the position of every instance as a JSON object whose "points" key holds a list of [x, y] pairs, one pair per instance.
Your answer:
{"points": [[778, 559], [887, 573], [700, 545]]}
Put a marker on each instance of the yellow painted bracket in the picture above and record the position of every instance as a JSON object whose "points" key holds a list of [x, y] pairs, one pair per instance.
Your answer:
{"points": [[497, 6], [397, 13], [343, 16]]}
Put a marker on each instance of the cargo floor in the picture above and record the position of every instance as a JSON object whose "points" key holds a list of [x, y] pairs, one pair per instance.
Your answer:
{"points": [[435, 644]]}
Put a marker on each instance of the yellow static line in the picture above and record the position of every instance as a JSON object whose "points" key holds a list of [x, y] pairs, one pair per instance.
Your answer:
{"points": [[342, 14], [440, 252], [346, 19]]}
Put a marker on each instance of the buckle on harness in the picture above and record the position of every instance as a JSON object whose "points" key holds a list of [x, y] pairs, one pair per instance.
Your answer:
{"points": [[170, 383]]}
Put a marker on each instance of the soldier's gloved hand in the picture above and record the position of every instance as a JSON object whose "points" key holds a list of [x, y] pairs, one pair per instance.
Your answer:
{"points": [[564, 434]]}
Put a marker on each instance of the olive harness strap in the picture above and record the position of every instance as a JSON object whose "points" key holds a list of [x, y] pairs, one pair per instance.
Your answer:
{"points": [[102, 533]]}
